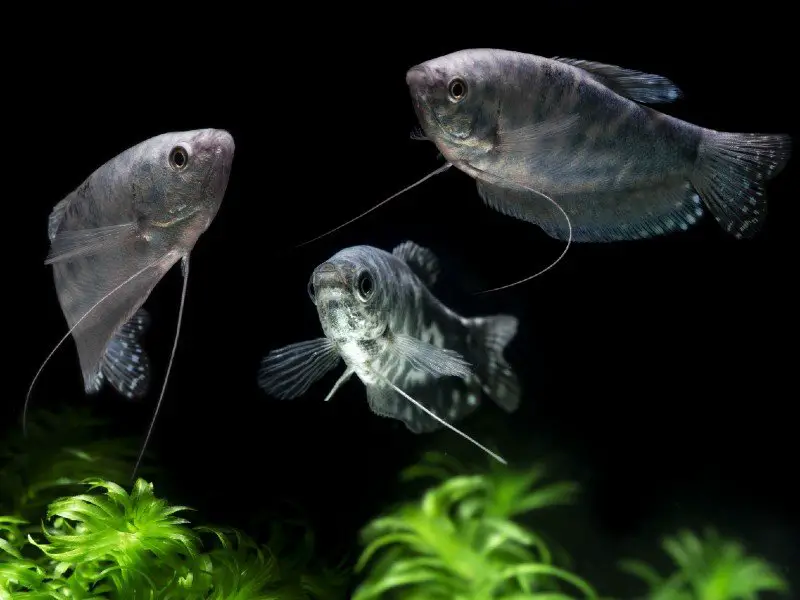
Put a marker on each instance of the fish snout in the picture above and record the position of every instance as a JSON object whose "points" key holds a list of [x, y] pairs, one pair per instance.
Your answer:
{"points": [[417, 78], [328, 275], [217, 141]]}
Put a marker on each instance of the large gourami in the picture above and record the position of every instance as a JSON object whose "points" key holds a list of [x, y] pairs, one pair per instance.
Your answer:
{"points": [[117, 234], [579, 134]]}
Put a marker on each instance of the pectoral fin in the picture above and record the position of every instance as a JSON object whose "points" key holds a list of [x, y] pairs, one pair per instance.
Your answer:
{"points": [[427, 357], [68, 245], [290, 371]]}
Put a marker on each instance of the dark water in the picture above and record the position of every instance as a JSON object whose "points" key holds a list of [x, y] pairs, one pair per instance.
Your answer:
{"points": [[657, 373]]}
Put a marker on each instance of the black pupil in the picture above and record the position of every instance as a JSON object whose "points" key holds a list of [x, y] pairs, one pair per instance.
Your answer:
{"points": [[366, 285], [179, 158], [457, 89]]}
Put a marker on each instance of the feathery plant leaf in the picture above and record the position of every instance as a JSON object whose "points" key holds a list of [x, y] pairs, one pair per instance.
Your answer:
{"points": [[127, 534], [61, 450], [708, 569], [459, 542]]}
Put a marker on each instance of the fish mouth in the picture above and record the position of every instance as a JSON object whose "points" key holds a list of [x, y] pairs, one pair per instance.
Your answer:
{"points": [[220, 143], [417, 81]]}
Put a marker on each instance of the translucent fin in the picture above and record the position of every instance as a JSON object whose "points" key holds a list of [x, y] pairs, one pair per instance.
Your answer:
{"points": [[185, 272], [68, 245], [290, 371], [125, 364], [379, 397], [730, 174], [623, 215], [78, 322], [57, 216], [490, 337], [645, 88], [392, 197], [429, 358], [420, 260], [537, 137]]}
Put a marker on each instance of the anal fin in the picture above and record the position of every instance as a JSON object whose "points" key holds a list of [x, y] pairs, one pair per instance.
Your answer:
{"points": [[125, 365], [608, 216], [449, 398]]}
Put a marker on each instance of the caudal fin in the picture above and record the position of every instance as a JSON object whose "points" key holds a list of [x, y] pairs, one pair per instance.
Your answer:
{"points": [[125, 364], [491, 335], [731, 172]]}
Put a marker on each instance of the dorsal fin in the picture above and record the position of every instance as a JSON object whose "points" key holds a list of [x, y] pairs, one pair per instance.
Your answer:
{"points": [[421, 260], [56, 217], [635, 85]]}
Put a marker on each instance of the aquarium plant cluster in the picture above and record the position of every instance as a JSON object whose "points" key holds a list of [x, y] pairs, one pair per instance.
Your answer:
{"points": [[69, 530]]}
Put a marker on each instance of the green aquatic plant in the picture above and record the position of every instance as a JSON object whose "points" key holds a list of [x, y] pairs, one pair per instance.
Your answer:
{"points": [[115, 545], [708, 569], [61, 450], [459, 542]]}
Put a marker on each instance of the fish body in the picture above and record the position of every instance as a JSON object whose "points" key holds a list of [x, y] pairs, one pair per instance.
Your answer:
{"points": [[118, 233], [379, 315], [581, 133]]}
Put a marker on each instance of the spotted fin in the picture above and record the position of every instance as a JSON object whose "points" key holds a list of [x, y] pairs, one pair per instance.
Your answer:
{"points": [[125, 365], [489, 337], [68, 245], [730, 174], [449, 398], [645, 88], [290, 371], [631, 214], [420, 260]]}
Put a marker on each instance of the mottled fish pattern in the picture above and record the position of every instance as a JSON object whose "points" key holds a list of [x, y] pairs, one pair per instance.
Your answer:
{"points": [[379, 315]]}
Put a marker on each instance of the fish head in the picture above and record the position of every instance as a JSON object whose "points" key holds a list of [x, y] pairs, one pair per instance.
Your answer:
{"points": [[181, 178], [351, 296], [453, 98]]}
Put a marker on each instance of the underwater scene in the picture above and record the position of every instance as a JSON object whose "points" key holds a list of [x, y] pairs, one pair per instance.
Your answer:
{"points": [[407, 315]]}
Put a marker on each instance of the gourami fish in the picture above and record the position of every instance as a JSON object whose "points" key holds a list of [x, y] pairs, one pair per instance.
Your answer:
{"points": [[421, 363], [117, 234], [579, 134]]}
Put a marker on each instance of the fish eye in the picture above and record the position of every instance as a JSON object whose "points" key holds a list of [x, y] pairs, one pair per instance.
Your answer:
{"points": [[311, 291], [366, 286], [178, 158], [457, 89]]}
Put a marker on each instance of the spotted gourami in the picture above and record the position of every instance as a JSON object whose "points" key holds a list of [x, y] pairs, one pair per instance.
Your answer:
{"points": [[579, 134], [421, 363], [117, 234]]}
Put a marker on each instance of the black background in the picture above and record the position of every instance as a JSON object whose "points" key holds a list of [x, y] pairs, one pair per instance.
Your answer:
{"points": [[659, 374]]}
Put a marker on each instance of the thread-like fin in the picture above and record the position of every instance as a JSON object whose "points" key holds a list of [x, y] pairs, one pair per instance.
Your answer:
{"points": [[377, 206], [185, 272]]}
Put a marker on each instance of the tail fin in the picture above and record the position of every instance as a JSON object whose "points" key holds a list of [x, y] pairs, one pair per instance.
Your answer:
{"points": [[125, 364], [730, 174], [491, 335]]}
